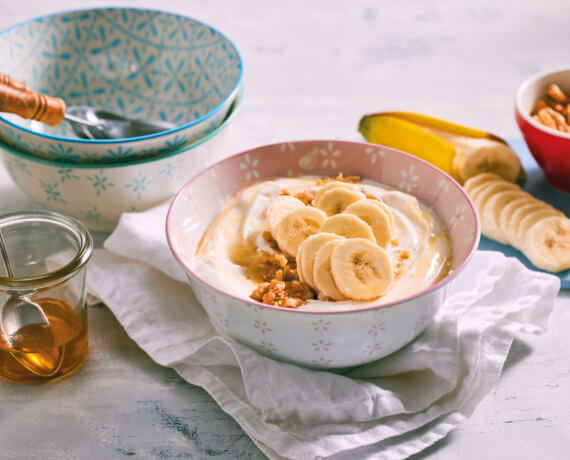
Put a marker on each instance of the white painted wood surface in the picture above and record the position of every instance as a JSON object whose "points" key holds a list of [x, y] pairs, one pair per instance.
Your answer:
{"points": [[311, 70]]}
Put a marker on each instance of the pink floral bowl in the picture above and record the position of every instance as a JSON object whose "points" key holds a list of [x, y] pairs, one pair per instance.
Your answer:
{"points": [[336, 339]]}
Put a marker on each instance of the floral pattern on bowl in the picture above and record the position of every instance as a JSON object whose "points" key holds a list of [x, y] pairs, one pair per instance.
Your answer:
{"points": [[98, 195], [333, 339], [136, 62]]}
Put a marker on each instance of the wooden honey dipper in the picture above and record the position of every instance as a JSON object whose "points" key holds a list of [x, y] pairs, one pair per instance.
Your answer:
{"points": [[15, 97], [86, 122], [10, 81]]}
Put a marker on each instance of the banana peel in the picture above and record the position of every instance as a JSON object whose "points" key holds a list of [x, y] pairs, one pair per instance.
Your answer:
{"points": [[460, 151]]}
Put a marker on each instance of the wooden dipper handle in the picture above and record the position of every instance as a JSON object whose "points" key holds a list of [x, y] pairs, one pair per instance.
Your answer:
{"points": [[29, 104], [9, 81]]}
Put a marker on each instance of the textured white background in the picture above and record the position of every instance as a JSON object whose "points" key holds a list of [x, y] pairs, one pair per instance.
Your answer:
{"points": [[311, 70]]}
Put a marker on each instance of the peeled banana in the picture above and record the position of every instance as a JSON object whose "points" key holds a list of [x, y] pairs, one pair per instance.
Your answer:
{"points": [[458, 150]]}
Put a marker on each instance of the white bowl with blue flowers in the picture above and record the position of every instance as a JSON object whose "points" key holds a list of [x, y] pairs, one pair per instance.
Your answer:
{"points": [[97, 195], [137, 62]]}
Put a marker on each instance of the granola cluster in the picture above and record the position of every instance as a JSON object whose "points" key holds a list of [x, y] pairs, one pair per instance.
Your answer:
{"points": [[281, 285], [340, 178], [554, 110], [289, 294], [305, 196], [278, 278]]}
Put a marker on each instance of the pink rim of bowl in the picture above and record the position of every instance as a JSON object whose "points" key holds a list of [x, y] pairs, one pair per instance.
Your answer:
{"points": [[249, 153], [549, 147]]}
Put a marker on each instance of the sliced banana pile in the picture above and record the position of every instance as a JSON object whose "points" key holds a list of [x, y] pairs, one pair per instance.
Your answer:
{"points": [[339, 243], [510, 215]]}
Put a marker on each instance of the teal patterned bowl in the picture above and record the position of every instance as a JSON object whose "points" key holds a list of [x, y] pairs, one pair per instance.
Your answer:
{"points": [[97, 195], [136, 62]]}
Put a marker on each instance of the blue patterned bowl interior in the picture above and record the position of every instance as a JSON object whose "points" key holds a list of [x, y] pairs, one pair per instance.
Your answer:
{"points": [[136, 62]]}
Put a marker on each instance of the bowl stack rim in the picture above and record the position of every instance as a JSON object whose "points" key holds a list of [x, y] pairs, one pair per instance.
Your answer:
{"points": [[62, 164], [228, 99]]}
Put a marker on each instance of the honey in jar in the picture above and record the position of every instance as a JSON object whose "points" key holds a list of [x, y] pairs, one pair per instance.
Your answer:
{"points": [[40, 353], [43, 314]]}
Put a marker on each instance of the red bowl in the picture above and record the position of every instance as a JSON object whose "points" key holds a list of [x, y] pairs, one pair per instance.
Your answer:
{"points": [[550, 148]]}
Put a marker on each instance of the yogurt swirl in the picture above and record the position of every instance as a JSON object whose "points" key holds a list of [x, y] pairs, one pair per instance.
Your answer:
{"points": [[420, 250]]}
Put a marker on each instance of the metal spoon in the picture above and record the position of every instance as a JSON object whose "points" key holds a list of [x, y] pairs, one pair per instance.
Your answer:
{"points": [[18, 311], [15, 315], [90, 123], [86, 122]]}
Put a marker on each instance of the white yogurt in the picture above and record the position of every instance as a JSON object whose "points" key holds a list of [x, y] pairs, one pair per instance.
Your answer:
{"points": [[418, 231]]}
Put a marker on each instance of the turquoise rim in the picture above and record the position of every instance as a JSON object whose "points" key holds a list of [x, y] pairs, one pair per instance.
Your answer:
{"points": [[210, 114], [231, 114]]}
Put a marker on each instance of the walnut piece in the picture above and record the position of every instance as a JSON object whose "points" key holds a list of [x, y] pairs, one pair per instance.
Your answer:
{"points": [[556, 93], [554, 110], [264, 265], [306, 197], [339, 178], [551, 118]]}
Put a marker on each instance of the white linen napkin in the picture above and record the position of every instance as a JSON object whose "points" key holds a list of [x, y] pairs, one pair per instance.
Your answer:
{"points": [[388, 409]]}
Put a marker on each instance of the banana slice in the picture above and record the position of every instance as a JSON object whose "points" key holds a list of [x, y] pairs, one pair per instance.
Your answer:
{"points": [[477, 180], [509, 210], [336, 199], [491, 211], [299, 262], [296, 226], [547, 244], [349, 226], [482, 193], [382, 205], [361, 269], [322, 275], [308, 252], [512, 216], [279, 208], [332, 185], [530, 206], [376, 217], [529, 220]]}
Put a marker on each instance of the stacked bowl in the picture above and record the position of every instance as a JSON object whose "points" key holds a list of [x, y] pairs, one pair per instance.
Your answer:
{"points": [[138, 63]]}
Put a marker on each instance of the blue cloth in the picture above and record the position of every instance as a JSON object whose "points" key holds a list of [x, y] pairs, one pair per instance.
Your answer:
{"points": [[537, 186]]}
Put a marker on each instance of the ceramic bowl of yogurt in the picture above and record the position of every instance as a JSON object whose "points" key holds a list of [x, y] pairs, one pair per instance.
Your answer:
{"points": [[434, 233]]}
